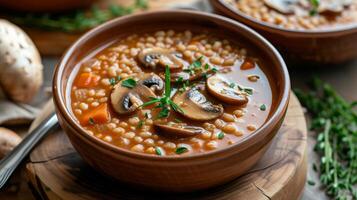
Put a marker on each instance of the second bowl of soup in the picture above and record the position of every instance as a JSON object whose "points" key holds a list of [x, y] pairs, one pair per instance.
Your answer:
{"points": [[322, 32], [186, 102]]}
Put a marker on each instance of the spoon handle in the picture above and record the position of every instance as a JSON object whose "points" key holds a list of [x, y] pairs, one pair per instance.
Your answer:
{"points": [[10, 162]]}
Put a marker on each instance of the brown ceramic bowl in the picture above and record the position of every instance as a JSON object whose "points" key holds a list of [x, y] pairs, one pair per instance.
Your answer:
{"points": [[179, 173], [44, 5], [331, 46]]}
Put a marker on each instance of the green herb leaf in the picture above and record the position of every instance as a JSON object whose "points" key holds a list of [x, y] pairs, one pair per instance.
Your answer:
{"points": [[207, 66], [112, 81], [140, 124], [167, 82], [175, 107], [164, 112], [158, 151], [129, 83], [181, 150], [310, 182], [220, 135], [154, 100], [232, 85], [197, 63], [263, 107], [248, 90]]}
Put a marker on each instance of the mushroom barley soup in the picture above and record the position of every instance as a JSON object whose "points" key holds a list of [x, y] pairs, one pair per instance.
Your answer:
{"points": [[300, 14], [171, 93]]}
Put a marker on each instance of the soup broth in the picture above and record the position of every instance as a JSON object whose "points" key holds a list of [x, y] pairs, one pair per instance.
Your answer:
{"points": [[171, 93]]}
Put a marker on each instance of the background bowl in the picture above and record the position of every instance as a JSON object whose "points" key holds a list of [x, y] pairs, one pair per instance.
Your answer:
{"points": [[184, 173], [332, 46]]}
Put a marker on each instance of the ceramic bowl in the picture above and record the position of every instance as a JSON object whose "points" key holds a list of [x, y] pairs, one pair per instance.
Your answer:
{"points": [[175, 173], [329, 46]]}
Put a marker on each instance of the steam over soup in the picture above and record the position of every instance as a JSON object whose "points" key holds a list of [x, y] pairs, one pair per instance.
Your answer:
{"points": [[171, 93], [300, 14]]}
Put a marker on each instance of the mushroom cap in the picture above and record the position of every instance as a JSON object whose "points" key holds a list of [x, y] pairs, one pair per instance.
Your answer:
{"points": [[196, 105], [157, 57], [20, 64], [333, 6], [177, 130], [218, 87], [282, 6], [126, 100], [152, 81]]}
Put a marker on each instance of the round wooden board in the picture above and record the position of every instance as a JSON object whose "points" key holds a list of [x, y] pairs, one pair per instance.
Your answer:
{"points": [[54, 43], [56, 171]]}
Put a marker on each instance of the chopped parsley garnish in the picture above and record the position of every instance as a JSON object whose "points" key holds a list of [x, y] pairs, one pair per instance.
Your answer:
{"points": [[207, 66], [158, 151], [197, 63], [220, 135], [214, 69], [248, 90], [140, 124], [263, 107], [129, 83], [181, 150], [195, 66], [112, 81]]}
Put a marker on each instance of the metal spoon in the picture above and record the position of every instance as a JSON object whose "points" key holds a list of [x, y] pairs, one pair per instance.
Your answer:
{"points": [[10, 162]]}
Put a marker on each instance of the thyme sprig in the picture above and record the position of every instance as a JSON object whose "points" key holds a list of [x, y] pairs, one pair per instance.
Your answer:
{"points": [[78, 20], [165, 102], [335, 122]]}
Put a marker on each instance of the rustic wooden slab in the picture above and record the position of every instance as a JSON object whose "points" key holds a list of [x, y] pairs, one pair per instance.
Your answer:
{"points": [[54, 43], [56, 171]]}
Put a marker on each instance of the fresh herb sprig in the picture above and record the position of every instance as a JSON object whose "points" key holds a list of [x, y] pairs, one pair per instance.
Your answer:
{"points": [[314, 6], [335, 122], [79, 20], [165, 102]]}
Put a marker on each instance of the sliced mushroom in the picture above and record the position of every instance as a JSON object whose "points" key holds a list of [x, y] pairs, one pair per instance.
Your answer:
{"points": [[177, 130], [159, 57], [126, 100], [153, 81], [220, 88], [195, 105], [282, 6], [333, 6]]}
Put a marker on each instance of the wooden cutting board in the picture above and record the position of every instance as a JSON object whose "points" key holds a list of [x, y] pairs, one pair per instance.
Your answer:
{"points": [[54, 43], [56, 171]]}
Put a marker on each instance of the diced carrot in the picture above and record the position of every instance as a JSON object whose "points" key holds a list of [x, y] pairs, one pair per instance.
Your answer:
{"points": [[87, 80], [247, 64], [97, 115]]}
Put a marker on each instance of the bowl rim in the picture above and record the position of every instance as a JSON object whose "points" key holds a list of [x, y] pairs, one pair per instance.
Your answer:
{"points": [[222, 5], [60, 104]]}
